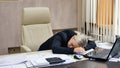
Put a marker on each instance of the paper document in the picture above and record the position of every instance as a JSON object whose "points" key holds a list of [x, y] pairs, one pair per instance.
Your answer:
{"points": [[114, 59], [38, 60], [12, 59], [5, 67], [104, 45], [88, 51], [28, 64], [22, 65]]}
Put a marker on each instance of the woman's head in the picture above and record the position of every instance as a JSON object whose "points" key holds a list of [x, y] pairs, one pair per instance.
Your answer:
{"points": [[79, 40]]}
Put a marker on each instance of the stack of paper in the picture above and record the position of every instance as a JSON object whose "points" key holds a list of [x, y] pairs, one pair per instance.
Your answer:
{"points": [[31, 60], [21, 65], [105, 45], [40, 60], [37, 60], [114, 59], [13, 61]]}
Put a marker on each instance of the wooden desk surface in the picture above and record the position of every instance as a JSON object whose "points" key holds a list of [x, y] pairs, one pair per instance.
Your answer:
{"points": [[89, 64], [78, 64]]}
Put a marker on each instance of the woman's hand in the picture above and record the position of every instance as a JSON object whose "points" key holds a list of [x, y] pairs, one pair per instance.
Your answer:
{"points": [[79, 50]]}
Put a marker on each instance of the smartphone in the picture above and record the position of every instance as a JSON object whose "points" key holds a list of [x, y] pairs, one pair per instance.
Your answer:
{"points": [[55, 60]]}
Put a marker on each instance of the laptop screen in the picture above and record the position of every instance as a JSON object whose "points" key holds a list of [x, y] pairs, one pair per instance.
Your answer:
{"points": [[116, 48]]}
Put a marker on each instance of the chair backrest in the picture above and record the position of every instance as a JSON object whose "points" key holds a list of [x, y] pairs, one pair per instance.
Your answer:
{"points": [[36, 26]]}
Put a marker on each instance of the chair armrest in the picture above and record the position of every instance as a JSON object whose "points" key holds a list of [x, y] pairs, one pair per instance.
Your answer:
{"points": [[25, 49]]}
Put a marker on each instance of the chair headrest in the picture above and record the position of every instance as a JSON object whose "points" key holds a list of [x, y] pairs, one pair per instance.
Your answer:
{"points": [[36, 15]]}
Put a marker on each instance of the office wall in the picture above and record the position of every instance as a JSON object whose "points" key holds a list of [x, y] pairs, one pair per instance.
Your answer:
{"points": [[10, 19], [64, 15], [63, 12]]}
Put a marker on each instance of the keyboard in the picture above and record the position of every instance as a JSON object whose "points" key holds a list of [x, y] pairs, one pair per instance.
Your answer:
{"points": [[104, 53]]}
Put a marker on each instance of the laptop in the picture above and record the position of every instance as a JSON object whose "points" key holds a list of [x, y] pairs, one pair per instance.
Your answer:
{"points": [[105, 54]]}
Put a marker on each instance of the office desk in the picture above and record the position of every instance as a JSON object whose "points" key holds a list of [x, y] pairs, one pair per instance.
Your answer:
{"points": [[85, 63], [31, 59], [78, 63], [89, 64]]}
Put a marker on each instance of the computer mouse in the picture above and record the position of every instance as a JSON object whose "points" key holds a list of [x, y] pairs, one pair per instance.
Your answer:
{"points": [[78, 56]]}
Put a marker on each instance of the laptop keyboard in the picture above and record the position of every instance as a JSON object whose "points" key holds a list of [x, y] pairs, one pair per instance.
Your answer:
{"points": [[104, 53]]}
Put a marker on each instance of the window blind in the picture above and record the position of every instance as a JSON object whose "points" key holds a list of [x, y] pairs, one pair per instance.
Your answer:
{"points": [[100, 19]]}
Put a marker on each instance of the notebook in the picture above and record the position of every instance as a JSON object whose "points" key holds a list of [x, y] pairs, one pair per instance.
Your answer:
{"points": [[105, 54]]}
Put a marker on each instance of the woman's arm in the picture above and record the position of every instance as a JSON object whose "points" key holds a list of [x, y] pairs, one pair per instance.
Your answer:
{"points": [[90, 45], [57, 46]]}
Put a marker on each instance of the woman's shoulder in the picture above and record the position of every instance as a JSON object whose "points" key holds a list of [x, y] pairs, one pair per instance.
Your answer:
{"points": [[68, 31], [65, 33]]}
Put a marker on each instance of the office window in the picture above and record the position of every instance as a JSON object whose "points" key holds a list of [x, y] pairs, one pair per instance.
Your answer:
{"points": [[101, 19]]}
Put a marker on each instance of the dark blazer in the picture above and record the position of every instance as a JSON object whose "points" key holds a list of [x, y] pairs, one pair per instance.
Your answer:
{"points": [[58, 43]]}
